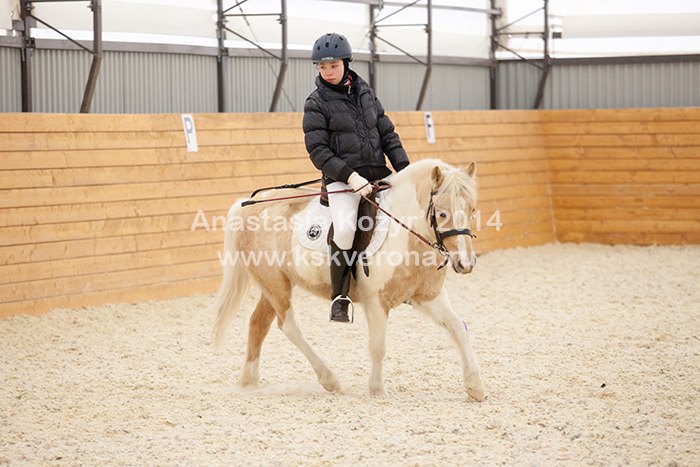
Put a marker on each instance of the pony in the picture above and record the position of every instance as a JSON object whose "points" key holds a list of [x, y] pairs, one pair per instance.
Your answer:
{"points": [[425, 190]]}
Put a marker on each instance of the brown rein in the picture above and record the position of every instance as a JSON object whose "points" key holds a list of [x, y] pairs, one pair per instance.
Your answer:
{"points": [[377, 187]]}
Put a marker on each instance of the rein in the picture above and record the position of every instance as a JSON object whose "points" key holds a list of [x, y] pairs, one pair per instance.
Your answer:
{"points": [[282, 198], [440, 235]]}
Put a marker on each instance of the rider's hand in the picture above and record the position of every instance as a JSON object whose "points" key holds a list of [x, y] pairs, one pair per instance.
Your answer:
{"points": [[359, 184]]}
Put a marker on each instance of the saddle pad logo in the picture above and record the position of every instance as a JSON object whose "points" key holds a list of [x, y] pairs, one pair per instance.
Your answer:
{"points": [[313, 232]]}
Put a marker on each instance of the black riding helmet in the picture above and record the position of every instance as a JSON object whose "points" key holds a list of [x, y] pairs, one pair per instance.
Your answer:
{"points": [[331, 46]]}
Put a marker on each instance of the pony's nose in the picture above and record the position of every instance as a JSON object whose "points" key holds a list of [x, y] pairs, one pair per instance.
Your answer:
{"points": [[464, 267]]}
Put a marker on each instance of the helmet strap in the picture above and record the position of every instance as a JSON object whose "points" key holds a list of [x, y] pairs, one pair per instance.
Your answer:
{"points": [[346, 70]]}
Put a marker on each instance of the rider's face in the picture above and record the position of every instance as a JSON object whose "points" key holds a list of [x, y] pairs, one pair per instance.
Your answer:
{"points": [[331, 72]]}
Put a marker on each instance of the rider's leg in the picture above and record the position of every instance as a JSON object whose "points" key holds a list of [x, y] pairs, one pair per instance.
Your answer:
{"points": [[343, 208]]}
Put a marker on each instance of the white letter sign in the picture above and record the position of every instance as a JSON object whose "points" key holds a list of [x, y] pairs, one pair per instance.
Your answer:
{"points": [[429, 127], [190, 133]]}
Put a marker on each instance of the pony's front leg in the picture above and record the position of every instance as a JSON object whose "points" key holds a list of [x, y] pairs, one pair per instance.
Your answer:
{"points": [[440, 309], [376, 323], [325, 376]]}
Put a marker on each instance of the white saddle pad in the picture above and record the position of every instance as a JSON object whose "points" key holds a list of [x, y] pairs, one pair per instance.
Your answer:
{"points": [[316, 220]]}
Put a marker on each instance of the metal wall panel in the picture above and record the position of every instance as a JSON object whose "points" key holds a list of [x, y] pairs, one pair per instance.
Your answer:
{"points": [[58, 80], [250, 83], [137, 82], [624, 85], [10, 80], [150, 82], [602, 85], [129, 82], [516, 85], [398, 85], [457, 87], [451, 87]]}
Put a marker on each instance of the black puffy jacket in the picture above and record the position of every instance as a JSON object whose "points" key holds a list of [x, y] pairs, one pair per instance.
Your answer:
{"points": [[350, 132]]}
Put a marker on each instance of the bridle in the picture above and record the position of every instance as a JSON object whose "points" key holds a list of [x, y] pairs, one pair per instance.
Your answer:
{"points": [[440, 235]]}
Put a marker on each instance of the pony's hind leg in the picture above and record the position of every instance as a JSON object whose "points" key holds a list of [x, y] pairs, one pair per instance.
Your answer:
{"points": [[259, 325], [440, 309]]}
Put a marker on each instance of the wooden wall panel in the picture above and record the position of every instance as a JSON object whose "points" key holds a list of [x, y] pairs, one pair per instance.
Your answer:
{"points": [[512, 169], [625, 175], [99, 208]]}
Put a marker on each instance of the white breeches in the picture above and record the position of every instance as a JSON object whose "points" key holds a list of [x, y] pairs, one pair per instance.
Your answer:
{"points": [[343, 207]]}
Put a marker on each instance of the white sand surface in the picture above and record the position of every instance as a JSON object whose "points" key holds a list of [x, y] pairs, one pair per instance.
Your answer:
{"points": [[589, 354]]}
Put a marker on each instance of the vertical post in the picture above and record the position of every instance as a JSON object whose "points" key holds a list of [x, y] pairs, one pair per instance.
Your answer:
{"points": [[372, 49], [221, 37], [26, 55], [545, 60], [283, 65], [429, 66], [96, 7], [493, 66]]}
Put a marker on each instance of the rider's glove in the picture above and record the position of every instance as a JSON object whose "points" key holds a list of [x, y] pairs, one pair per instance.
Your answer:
{"points": [[359, 184]]}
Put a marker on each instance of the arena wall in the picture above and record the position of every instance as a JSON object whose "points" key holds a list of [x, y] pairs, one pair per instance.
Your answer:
{"points": [[101, 208], [625, 175]]}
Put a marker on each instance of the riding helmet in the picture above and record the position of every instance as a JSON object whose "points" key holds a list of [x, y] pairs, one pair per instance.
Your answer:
{"points": [[331, 46]]}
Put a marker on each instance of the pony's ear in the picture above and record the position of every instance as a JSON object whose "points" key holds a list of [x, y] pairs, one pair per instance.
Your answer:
{"points": [[471, 169], [437, 177]]}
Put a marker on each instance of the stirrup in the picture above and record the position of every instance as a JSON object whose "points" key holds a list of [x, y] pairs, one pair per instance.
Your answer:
{"points": [[352, 309]]}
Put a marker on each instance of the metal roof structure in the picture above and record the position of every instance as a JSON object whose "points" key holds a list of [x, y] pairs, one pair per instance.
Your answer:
{"points": [[429, 33]]}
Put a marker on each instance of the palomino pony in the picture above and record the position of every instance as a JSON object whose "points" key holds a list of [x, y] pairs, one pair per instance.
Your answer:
{"points": [[426, 185]]}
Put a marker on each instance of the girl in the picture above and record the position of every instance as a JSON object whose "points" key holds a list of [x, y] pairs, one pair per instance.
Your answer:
{"points": [[347, 135]]}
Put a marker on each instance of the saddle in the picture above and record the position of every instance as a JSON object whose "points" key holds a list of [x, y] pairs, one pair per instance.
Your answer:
{"points": [[314, 232]]}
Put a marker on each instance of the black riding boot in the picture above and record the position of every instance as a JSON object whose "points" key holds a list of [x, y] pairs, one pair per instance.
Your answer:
{"points": [[340, 282]]}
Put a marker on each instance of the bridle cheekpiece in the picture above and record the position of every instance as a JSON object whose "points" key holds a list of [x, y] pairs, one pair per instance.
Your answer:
{"points": [[441, 235]]}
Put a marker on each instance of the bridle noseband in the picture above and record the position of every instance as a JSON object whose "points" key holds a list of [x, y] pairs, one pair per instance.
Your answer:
{"points": [[441, 235]]}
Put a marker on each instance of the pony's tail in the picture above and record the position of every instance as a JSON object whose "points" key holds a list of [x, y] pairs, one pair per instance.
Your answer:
{"points": [[234, 284]]}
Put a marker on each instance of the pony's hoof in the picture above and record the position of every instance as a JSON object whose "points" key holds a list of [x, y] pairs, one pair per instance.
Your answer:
{"points": [[377, 391], [249, 376], [472, 383], [329, 382], [246, 381], [476, 393]]}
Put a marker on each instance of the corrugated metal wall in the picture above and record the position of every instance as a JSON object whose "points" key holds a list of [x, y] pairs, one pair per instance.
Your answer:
{"points": [[129, 82], [58, 80], [624, 85], [252, 83], [147, 82], [451, 87], [10, 85], [517, 85], [601, 85], [138, 82]]}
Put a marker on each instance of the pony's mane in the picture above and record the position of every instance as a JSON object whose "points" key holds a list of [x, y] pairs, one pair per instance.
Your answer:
{"points": [[456, 184]]}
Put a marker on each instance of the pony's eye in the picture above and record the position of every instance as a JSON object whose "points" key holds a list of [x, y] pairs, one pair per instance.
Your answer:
{"points": [[442, 215]]}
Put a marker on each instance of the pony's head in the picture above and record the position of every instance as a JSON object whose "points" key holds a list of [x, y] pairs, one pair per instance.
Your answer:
{"points": [[451, 212]]}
